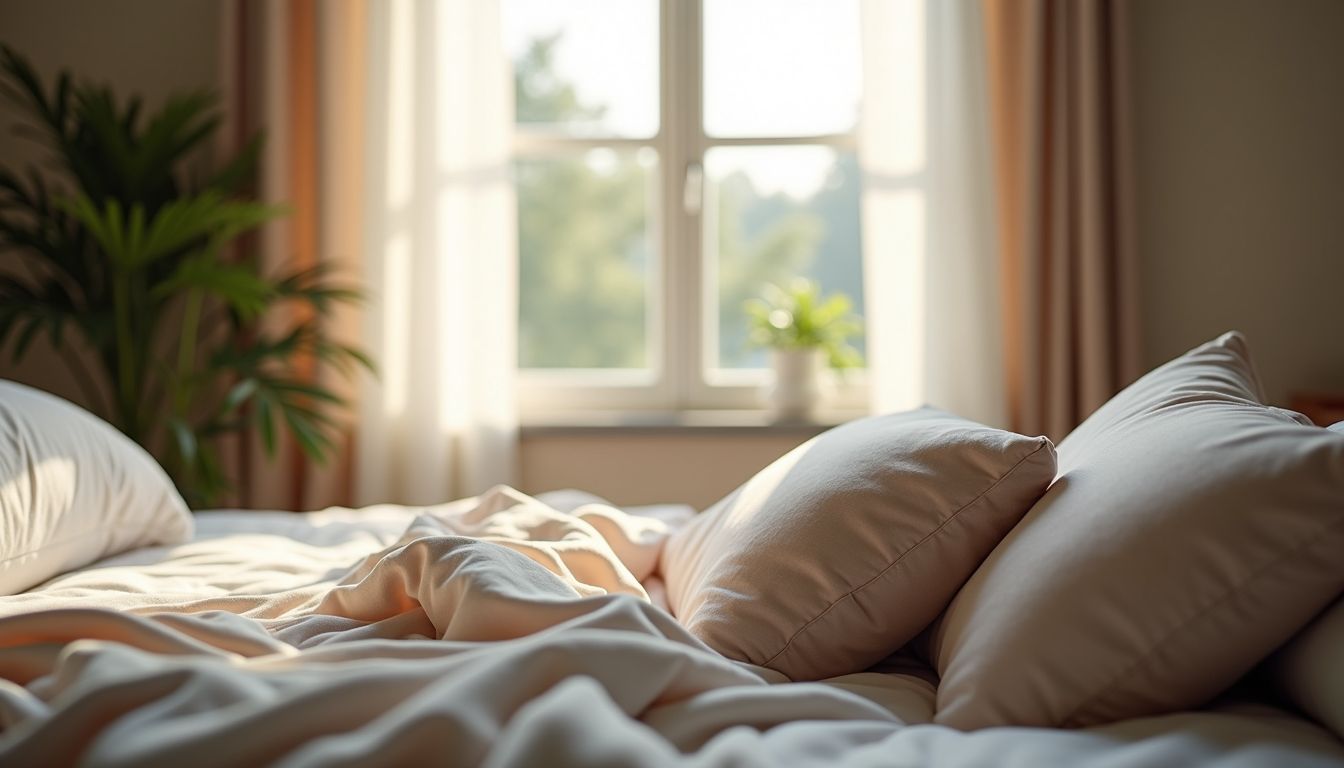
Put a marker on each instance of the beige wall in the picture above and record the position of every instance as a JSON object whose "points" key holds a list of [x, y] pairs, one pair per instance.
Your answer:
{"points": [[1239, 127], [1239, 119], [149, 47], [650, 467]]}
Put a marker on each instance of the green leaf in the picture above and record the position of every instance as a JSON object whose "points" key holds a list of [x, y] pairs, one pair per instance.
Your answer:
{"points": [[250, 358], [290, 387], [27, 310], [236, 285], [26, 89], [181, 124], [185, 438], [360, 357], [105, 167], [210, 481], [104, 225], [311, 440], [265, 421], [205, 218], [234, 176], [318, 417], [344, 357], [135, 230], [26, 337], [238, 394], [128, 120]]}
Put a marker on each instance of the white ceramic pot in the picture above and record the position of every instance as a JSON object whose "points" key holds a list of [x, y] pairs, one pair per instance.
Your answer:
{"points": [[797, 386]]}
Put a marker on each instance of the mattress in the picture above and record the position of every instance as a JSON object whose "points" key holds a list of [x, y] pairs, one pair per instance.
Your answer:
{"points": [[482, 632]]}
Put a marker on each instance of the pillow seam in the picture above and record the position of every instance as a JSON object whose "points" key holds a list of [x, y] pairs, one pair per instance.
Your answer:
{"points": [[1152, 651], [1040, 446]]}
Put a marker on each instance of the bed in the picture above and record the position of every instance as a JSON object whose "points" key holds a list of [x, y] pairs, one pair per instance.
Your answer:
{"points": [[560, 630]]}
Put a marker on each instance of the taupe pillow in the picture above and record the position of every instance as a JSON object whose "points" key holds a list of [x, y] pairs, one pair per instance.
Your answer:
{"points": [[1309, 670], [838, 553], [1191, 531]]}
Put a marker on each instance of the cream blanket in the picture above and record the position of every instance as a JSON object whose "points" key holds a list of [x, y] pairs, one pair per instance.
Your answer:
{"points": [[494, 631]]}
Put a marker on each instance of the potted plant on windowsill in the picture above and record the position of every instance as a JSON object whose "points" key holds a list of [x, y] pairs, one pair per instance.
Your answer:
{"points": [[183, 339], [805, 333]]}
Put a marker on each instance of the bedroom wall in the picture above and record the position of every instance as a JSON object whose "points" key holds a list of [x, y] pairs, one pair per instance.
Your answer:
{"points": [[150, 47], [1239, 169], [649, 467]]}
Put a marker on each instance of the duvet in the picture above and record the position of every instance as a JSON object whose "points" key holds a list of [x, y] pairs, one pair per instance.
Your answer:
{"points": [[500, 630]]}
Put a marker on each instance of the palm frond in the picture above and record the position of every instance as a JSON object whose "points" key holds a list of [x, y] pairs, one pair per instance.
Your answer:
{"points": [[237, 286], [238, 172], [121, 252]]}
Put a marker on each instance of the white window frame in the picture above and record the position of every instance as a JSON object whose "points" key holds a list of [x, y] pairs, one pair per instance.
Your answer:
{"points": [[680, 376]]}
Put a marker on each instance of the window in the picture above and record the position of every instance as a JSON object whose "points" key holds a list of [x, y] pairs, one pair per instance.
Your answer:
{"points": [[671, 158]]}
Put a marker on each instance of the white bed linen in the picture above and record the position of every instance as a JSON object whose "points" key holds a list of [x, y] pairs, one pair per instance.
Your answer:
{"points": [[387, 637]]}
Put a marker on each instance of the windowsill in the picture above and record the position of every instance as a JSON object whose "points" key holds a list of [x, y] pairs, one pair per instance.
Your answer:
{"points": [[702, 422]]}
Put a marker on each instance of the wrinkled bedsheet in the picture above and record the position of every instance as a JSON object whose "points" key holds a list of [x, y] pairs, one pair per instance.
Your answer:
{"points": [[499, 630]]}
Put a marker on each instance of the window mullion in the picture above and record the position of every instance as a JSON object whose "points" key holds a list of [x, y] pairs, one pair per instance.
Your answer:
{"points": [[691, 125], [847, 141], [681, 306], [664, 325], [542, 144]]}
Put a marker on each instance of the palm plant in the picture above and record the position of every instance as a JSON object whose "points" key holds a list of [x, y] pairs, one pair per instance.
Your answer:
{"points": [[123, 248]]}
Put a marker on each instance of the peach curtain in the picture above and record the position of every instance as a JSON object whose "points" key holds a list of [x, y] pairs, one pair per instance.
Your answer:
{"points": [[293, 70], [1067, 260], [388, 130], [930, 269]]}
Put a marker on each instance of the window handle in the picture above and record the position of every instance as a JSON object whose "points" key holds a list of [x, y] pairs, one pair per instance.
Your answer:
{"points": [[693, 188]]}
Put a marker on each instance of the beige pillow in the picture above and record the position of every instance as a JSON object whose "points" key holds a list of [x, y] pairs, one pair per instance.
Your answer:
{"points": [[838, 553], [74, 490], [1191, 531], [1309, 670]]}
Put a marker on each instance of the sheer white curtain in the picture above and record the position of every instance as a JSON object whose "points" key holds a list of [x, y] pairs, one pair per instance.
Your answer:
{"points": [[931, 270], [439, 422]]}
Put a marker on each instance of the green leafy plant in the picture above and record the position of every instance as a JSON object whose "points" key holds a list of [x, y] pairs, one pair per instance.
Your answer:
{"points": [[796, 316], [117, 244]]}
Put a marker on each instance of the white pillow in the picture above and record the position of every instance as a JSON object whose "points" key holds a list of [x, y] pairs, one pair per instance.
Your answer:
{"points": [[74, 490]]}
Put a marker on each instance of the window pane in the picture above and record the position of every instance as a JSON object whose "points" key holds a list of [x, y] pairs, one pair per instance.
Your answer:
{"points": [[772, 214], [585, 259], [585, 67], [796, 75]]}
